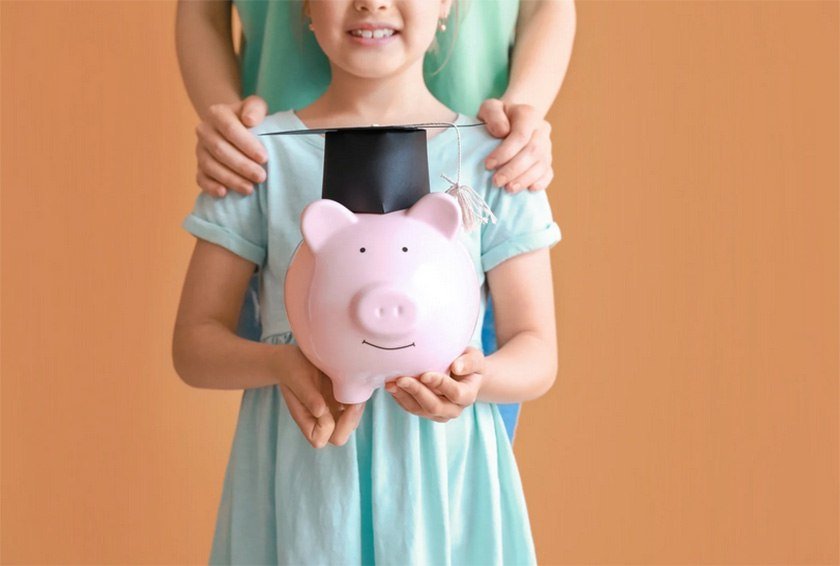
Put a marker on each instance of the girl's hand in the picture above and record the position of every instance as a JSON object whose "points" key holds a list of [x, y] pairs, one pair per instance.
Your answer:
{"points": [[309, 396], [523, 159], [438, 396], [229, 156]]}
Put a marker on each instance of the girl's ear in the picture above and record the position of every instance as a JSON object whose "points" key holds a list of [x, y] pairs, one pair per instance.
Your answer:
{"points": [[440, 211], [321, 219]]}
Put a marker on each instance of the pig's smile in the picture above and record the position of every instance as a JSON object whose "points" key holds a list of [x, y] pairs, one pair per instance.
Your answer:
{"points": [[384, 348]]}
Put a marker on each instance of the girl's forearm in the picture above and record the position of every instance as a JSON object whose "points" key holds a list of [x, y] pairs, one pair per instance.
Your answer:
{"points": [[210, 356], [545, 33], [206, 56], [523, 369]]}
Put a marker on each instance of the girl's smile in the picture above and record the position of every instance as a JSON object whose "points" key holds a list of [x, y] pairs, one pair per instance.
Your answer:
{"points": [[375, 39], [373, 34]]}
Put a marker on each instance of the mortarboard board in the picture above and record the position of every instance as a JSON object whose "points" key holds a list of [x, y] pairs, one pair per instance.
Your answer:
{"points": [[381, 169]]}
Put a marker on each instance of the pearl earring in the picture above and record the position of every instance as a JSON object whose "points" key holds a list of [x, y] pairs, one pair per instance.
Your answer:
{"points": [[441, 25], [311, 27]]}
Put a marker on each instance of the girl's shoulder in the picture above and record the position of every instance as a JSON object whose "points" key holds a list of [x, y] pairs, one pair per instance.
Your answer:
{"points": [[278, 122], [474, 134]]}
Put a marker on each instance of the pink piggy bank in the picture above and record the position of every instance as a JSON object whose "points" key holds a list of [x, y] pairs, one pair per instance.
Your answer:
{"points": [[371, 297]]}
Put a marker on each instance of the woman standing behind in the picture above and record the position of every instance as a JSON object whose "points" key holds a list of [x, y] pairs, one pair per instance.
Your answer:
{"points": [[502, 61]]}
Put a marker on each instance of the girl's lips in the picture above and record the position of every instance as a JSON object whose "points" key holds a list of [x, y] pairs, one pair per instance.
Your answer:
{"points": [[372, 41]]}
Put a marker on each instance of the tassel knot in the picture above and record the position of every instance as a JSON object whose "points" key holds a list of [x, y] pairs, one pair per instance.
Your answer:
{"points": [[473, 208]]}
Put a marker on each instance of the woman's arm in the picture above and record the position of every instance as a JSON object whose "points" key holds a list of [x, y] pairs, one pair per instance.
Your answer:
{"points": [[229, 156], [525, 365], [545, 32], [205, 53], [207, 353]]}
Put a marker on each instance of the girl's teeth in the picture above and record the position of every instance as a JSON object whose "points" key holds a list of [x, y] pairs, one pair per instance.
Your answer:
{"points": [[373, 34]]}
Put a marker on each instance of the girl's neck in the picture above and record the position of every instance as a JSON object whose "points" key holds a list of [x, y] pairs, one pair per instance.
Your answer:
{"points": [[350, 100]]}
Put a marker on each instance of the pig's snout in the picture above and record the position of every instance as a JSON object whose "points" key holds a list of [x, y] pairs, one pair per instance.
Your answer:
{"points": [[385, 312]]}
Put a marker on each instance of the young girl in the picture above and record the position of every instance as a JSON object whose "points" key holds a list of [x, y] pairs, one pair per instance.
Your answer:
{"points": [[423, 472]]}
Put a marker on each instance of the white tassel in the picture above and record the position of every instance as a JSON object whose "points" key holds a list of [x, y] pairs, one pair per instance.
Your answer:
{"points": [[473, 208]]}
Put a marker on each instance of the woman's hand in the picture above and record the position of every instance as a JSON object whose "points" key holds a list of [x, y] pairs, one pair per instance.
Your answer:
{"points": [[438, 396], [523, 159], [229, 156], [309, 396]]}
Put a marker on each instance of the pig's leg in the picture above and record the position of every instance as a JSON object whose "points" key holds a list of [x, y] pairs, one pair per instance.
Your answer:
{"points": [[351, 391]]}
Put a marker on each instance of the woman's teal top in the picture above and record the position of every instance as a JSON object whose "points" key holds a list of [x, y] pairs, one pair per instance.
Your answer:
{"points": [[281, 60]]}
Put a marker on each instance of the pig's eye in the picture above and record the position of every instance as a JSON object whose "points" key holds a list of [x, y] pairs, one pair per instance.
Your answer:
{"points": [[362, 250], [405, 249]]}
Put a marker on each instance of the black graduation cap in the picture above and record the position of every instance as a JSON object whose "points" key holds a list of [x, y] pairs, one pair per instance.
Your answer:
{"points": [[377, 169]]}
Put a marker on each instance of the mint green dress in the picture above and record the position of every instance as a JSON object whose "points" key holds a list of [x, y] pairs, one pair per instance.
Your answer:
{"points": [[404, 489]]}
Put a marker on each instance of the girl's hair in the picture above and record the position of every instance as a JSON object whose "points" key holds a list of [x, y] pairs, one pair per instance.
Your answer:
{"points": [[452, 22]]}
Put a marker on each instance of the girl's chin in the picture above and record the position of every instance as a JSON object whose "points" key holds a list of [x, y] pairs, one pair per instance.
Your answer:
{"points": [[373, 69]]}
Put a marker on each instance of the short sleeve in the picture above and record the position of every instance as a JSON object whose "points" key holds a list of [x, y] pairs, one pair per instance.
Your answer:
{"points": [[236, 222], [523, 224]]}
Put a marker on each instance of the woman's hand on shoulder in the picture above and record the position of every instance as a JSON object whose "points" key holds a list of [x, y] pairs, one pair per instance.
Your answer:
{"points": [[309, 396], [523, 159], [437, 396], [229, 156]]}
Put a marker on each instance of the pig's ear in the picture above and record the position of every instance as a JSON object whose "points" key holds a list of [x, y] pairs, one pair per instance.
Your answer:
{"points": [[321, 219], [440, 211]]}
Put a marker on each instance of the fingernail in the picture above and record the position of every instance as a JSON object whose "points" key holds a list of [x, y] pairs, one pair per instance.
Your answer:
{"points": [[491, 164], [500, 180], [515, 186], [390, 387], [459, 367]]}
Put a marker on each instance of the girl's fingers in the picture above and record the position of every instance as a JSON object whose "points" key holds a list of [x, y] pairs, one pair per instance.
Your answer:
{"points": [[492, 113], [446, 386], [224, 120], [220, 149], [429, 402], [316, 430], [217, 171], [471, 361], [348, 421], [529, 177], [405, 400], [433, 406]]}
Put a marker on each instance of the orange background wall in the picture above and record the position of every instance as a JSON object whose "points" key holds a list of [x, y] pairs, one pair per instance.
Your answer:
{"points": [[695, 417]]}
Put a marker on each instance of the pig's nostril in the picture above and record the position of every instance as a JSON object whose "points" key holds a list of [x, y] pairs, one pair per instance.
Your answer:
{"points": [[379, 312], [399, 310]]}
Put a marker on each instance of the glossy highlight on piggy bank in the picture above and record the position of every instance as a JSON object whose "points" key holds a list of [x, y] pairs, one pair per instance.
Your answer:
{"points": [[371, 297]]}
